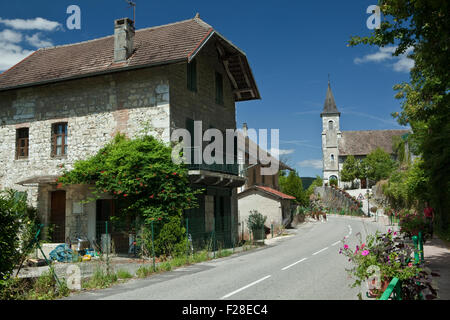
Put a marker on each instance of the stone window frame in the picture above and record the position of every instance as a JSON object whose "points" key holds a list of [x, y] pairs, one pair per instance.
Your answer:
{"points": [[55, 135], [26, 147]]}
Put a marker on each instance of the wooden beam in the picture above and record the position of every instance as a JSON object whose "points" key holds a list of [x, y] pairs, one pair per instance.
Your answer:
{"points": [[245, 76]]}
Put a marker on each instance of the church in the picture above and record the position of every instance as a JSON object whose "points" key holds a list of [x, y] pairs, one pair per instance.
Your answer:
{"points": [[337, 145]]}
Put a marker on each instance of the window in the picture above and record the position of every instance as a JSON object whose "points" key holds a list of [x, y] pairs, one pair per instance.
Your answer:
{"points": [[192, 76], [59, 139], [22, 143], [330, 125], [219, 88], [332, 157]]}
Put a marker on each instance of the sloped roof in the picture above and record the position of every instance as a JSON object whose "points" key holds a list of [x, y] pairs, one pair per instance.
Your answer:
{"points": [[276, 192], [329, 106], [170, 43], [267, 190], [252, 145], [364, 142]]}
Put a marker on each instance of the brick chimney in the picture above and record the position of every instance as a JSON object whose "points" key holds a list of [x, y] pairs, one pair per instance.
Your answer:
{"points": [[123, 39]]}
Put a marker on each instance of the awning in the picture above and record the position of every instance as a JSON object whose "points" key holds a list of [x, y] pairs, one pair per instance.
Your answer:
{"points": [[40, 180]]}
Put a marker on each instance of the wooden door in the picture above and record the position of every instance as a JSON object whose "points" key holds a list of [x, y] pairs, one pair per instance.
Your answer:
{"points": [[58, 216]]}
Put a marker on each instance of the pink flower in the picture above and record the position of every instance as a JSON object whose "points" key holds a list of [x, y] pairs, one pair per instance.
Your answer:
{"points": [[365, 252], [410, 264], [346, 246]]}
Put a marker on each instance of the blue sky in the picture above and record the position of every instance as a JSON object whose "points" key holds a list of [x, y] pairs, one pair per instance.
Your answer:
{"points": [[292, 46]]}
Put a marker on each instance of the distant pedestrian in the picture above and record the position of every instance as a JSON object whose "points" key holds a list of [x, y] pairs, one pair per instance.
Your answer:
{"points": [[429, 216]]}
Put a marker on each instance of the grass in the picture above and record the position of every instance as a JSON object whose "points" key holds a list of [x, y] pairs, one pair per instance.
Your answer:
{"points": [[100, 280], [41, 288], [123, 274], [223, 253]]}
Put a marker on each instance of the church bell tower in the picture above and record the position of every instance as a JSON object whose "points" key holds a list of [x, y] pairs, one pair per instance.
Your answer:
{"points": [[330, 138]]}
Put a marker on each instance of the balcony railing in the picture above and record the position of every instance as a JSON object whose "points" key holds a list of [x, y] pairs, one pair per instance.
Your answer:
{"points": [[232, 169]]}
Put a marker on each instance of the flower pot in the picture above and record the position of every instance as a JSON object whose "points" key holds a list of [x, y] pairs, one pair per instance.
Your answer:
{"points": [[376, 293]]}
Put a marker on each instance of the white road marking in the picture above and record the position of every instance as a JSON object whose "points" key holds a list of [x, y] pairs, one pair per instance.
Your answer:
{"points": [[243, 288], [291, 265], [336, 243], [320, 251]]}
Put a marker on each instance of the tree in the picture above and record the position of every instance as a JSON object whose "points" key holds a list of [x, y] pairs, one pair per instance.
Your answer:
{"points": [[378, 165], [141, 174], [318, 182], [293, 186], [422, 28], [350, 169], [17, 228]]}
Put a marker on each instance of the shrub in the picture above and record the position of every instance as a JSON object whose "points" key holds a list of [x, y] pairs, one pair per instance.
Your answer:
{"points": [[17, 227], [256, 222], [169, 237]]}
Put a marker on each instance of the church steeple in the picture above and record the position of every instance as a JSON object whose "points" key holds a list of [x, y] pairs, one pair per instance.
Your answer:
{"points": [[329, 107]]}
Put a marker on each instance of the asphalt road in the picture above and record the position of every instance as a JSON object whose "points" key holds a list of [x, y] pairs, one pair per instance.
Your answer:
{"points": [[306, 265]]}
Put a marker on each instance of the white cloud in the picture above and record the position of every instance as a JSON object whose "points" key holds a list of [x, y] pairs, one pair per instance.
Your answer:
{"points": [[281, 151], [312, 163], [402, 62], [10, 54], [10, 36], [31, 24], [383, 54], [36, 41]]}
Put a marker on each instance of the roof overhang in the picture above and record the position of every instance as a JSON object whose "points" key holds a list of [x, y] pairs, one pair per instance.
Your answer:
{"points": [[235, 64], [218, 179]]}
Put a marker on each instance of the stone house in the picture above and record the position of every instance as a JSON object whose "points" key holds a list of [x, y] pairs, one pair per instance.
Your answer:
{"points": [[262, 192], [64, 103], [337, 145]]}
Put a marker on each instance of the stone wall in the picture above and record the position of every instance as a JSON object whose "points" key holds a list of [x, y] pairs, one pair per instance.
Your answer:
{"points": [[334, 199]]}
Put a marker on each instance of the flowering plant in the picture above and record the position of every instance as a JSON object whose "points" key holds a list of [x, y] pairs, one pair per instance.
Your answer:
{"points": [[412, 223], [382, 257]]}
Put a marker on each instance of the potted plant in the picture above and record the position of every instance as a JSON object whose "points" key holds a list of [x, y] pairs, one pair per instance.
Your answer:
{"points": [[378, 260]]}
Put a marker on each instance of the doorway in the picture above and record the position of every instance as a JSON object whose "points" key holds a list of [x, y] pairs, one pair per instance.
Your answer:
{"points": [[58, 216]]}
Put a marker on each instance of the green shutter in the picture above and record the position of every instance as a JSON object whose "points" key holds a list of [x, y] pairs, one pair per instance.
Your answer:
{"points": [[192, 76]]}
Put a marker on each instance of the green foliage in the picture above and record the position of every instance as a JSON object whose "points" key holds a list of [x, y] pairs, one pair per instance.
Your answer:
{"points": [[169, 238], [144, 271], [255, 221], [422, 25], [333, 182], [350, 169], [407, 188], [141, 174], [391, 257], [378, 165], [42, 288], [123, 274], [18, 225], [150, 187], [318, 182], [100, 280], [292, 185]]}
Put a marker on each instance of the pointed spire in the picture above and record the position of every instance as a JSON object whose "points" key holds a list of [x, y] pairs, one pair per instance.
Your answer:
{"points": [[329, 107]]}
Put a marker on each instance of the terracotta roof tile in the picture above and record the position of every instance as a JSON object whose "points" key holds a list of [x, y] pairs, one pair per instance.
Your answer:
{"points": [[152, 46], [276, 192]]}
